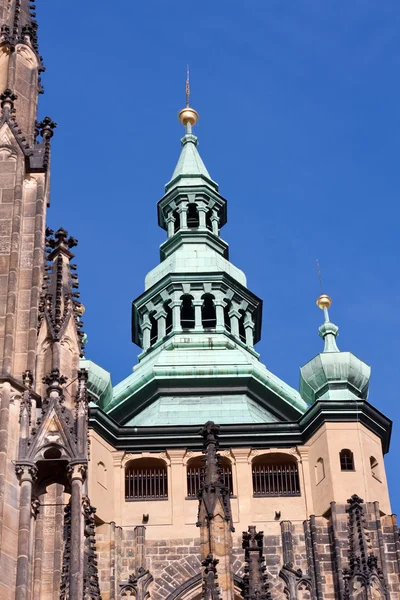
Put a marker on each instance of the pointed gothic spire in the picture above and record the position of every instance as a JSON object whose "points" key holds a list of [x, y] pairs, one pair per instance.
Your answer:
{"points": [[210, 579], [60, 299], [213, 491], [255, 579], [363, 571]]}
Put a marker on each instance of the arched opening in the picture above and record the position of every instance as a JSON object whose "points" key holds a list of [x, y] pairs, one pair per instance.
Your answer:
{"points": [[375, 468], [187, 312], [177, 222], [208, 315], [102, 474], [275, 475], [168, 320], [194, 475], [227, 318], [319, 470], [192, 216], [242, 331], [346, 460], [146, 479], [208, 220], [154, 329], [52, 453]]}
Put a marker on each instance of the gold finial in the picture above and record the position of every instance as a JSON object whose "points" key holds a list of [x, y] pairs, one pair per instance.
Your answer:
{"points": [[188, 115], [323, 301]]}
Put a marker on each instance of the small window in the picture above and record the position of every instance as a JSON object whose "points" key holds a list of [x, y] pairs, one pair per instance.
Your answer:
{"points": [[194, 475], [346, 460], [177, 222], [192, 216], [102, 474], [146, 479], [168, 320], [208, 315], [319, 471], [275, 475], [154, 329], [187, 312], [375, 468]]}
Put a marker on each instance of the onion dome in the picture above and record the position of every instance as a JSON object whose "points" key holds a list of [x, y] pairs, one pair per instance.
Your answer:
{"points": [[333, 375]]}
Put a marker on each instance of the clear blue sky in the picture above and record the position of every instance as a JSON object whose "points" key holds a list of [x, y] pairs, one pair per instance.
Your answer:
{"points": [[299, 124]]}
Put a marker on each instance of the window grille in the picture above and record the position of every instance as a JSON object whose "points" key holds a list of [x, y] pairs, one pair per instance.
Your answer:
{"points": [[146, 481], [276, 479], [346, 460], [194, 478]]}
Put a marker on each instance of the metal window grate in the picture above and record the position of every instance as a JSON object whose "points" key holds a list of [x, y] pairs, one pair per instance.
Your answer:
{"points": [[276, 480], [346, 460], [194, 479], [146, 484]]}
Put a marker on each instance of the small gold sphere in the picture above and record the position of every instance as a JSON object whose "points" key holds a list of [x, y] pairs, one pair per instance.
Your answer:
{"points": [[80, 310], [188, 115], [324, 301]]}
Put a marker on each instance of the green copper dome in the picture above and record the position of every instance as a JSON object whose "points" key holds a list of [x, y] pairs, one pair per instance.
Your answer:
{"points": [[333, 375]]}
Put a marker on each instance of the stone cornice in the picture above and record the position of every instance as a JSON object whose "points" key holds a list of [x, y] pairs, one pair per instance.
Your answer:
{"points": [[282, 434]]}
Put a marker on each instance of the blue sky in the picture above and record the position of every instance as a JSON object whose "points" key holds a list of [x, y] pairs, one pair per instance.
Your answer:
{"points": [[299, 124]]}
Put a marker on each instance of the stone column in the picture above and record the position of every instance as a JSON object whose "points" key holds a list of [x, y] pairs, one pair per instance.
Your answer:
{"points": [[197, 314], [234, 316], [37, 565], [5, 399], [201, 207], [306, 476], [244, 483], [219, 314], [182, 211], [215, 222], [178, 486], [176, 314], [26, 475], [249, 329], [146, 330], [77, 473], [170, 221], [161, 317]]}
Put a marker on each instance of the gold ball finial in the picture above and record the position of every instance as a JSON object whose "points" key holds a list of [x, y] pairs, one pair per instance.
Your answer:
{"points": [[324, 301], [188, 115]]}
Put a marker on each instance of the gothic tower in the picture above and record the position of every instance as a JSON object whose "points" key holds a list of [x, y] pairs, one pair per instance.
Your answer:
{"points": [[212, 478]]}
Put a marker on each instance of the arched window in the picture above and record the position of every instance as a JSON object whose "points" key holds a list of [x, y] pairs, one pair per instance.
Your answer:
{"points": [[177, 222], [187, 312], [146, 479], [192, 216], [208, 220], [102, 474], [346, 460], [227, 318], [154, 329], [319, 470], [208, 316], [275, 475], [168, 321], [194, 471], [242, 331], [374, 468]]}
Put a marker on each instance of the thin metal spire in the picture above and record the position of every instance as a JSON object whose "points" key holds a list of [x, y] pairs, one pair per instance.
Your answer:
{"points": [[187, 86]]}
